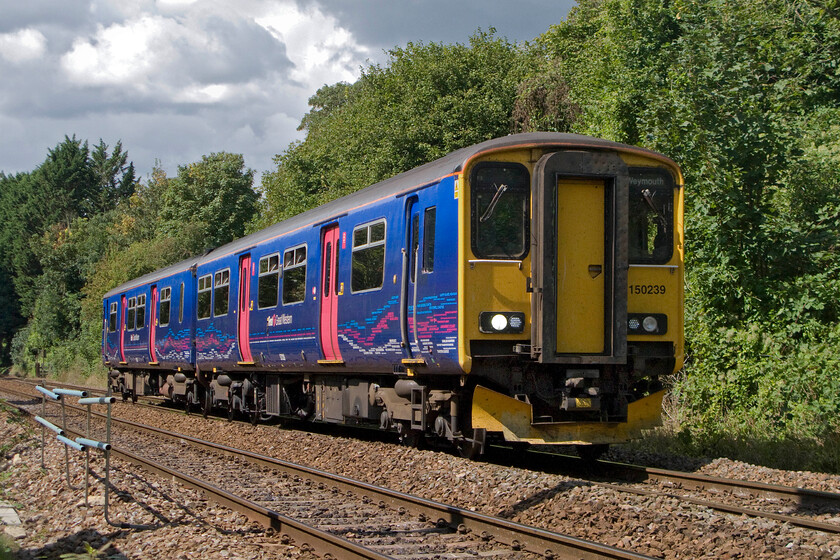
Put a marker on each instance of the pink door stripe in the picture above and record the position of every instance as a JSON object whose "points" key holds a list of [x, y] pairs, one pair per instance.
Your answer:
{"points": [[123, 304], [329, 298], [245, 308], [153, 325]]}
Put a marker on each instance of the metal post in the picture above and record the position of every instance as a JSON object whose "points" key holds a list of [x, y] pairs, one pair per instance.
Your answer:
{"points": [[108, 463], [43, 430], [74, 393], [44, 394], [87, 458]]}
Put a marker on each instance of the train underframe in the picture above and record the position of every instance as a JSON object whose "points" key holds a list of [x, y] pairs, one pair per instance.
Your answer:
{"points": [[436, 408]]}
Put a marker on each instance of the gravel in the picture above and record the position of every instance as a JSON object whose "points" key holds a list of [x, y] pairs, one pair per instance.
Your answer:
{"points": [[657, 526]]}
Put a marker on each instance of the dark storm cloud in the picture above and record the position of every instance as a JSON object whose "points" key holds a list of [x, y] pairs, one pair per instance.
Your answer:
{"points": [[384, 24], [61, 13], [178, 79]]}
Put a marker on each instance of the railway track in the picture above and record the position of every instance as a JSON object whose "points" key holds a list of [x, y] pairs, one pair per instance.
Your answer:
{"points": [[720, 494], [333, 515]]}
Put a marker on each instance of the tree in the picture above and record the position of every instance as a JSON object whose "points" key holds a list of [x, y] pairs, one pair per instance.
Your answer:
{"points": [[426, 101], [210, 202], [745, 95], [114, 175], [45, 250]]}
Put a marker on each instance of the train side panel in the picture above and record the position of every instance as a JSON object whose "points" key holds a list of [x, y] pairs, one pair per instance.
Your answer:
{"points": [[174, 316], [282, 312]]}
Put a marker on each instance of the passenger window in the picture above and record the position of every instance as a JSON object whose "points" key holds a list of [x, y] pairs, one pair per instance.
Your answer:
{"points": [[429, 239], [181, 304], [268, 281], [165, 305], [368, 262], [141, 311], [112, 318], [203, 305], [221, 293], [294, 275], [651, 216], [501, 200], [129, 316]]}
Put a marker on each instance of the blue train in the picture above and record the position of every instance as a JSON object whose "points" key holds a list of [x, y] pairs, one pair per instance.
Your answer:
{"points": [[527, 289]]}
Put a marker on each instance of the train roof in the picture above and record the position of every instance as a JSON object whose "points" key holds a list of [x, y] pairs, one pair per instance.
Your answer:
{"points": [[410, 180]]}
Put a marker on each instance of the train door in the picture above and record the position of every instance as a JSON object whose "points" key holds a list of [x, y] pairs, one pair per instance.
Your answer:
{"points": [[244, 316], [123, 307], [329, 294], [153, 319], [580, 266], [417, 282], [579, 258]]}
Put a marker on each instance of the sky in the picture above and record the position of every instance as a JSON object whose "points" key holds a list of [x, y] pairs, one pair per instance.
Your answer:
{"points": [[177, 79]]}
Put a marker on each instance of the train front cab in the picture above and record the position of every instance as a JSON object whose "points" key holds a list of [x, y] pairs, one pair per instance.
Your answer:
{"points": [[571, 270]]}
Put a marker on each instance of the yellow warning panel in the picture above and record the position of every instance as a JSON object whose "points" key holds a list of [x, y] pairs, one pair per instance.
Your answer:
{"points": [[513, 419], [581, 268]]}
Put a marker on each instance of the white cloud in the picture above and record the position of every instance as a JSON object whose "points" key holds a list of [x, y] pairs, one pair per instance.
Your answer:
{"points": [[23, 46], [322, 50], [177, 79], [119, 54]]}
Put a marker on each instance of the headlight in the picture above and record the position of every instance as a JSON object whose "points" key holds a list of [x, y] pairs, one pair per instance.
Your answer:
{"points": [[505, 322], [647, 323], [499, 322]]}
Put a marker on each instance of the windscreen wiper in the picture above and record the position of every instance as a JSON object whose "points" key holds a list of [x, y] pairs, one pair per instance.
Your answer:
{"points": [[492, 206]]}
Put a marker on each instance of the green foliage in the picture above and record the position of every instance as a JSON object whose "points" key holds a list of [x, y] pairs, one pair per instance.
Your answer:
{"points": [[209, 202], [40, 272], [744, 95], [114, 175], [428, 100]]}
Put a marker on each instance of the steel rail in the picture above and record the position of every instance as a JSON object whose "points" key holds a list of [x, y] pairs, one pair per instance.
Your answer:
{"points": [[595, 472], [517, 536], [691, 481]]}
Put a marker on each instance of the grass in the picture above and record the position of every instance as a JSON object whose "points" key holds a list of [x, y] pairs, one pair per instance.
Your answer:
{"points": [[8, 547], [739, 441]]}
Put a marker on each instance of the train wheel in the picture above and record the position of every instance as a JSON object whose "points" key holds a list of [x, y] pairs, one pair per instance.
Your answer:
{"points": [[474, 447], [134, 396], [591, 453], [208, 402], [123, 393], [258, 407], [188, 401], [406, 435], [230, 411]]}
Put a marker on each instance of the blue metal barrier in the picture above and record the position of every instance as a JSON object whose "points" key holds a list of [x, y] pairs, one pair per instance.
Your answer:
{"points": [[82, 443]]}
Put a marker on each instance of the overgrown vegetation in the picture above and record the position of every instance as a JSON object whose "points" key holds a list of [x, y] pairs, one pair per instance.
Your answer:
{"points": [[64, 257], [744, 94]]}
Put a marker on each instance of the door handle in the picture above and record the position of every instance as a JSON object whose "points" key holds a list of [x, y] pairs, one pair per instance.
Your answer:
{"points": [[595, 270]]}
